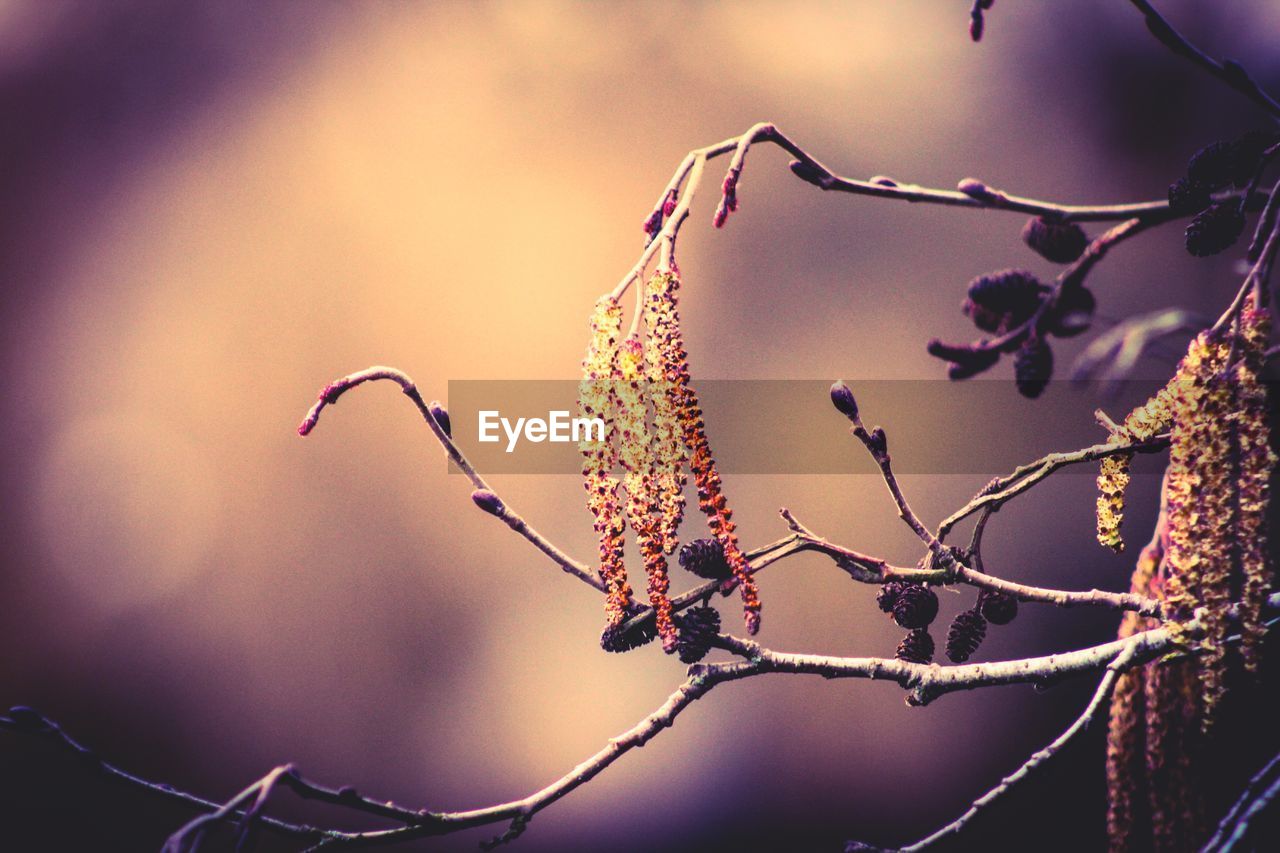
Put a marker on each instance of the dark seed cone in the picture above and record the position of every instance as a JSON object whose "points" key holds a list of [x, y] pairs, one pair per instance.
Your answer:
{"points": [[916, 606], [1073, 312], [1011, 296], [965, 635], [998, 608], [888, 594], [1212, 166], [1032, 367], [1187, 197], [698, 627], [1060, 242], [705, 558], [614, 639], [916, 647], [1215, 229]]}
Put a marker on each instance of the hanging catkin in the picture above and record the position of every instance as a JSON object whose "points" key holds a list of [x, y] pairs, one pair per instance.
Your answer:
{"points": [[596, 400], [1209, 568], [711, 500], [637, 458], [1257, 460], [1149, 419], [669, 453], [654, 428], [1128, 811]]}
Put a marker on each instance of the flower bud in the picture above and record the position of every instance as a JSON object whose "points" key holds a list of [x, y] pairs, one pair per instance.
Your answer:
{"points": [[487, 501], [441, 414], [842, 399]]}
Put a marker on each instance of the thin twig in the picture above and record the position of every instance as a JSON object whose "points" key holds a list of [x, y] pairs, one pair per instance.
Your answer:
{"points": [[1227, 71], [330, 394], [1252, 802], [1100, 698]]}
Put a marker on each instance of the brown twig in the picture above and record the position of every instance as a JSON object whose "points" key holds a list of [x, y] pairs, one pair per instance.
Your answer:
{"points": [[1227, 71], [330, 394]]}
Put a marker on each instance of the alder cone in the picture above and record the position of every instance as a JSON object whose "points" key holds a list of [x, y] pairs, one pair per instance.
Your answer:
{"points": [[1032, 367], [965, 635], [916, 647], [616, 640], [705, 558], [888, 594], [1215, 229], [916, 607], [1059, 242], [999, 608], [698, 627]]}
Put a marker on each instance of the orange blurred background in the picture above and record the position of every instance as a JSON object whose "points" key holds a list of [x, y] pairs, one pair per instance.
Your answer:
{"points": [[210, 210]]}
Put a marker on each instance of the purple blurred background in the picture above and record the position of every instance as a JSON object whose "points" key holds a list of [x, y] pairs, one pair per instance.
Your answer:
{"points": [[212, 209]]}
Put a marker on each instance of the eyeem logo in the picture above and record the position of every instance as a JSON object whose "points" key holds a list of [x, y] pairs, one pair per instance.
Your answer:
{"points": [[557, 428]]}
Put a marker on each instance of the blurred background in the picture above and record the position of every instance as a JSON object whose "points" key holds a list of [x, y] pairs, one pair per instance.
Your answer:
{"points": [[210, 210]]}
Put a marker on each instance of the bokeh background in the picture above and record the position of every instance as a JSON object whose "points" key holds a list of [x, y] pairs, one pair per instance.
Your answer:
{"points": [[209, 210]]}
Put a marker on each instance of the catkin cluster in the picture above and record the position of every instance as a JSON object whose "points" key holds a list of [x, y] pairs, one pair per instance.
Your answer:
{"points": [[655, 430], [1208, 563]]}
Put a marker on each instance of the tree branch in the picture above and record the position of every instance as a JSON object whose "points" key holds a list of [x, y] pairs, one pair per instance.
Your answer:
{"points": [[1228, 71]]}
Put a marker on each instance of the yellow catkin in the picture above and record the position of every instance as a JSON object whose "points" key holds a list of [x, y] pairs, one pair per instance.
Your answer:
{"points": [[1128, 810], [1149, 419], [1257, 460], [670, 456], [1113, 479], [636, 456], [596, 400], [1214, 542]]}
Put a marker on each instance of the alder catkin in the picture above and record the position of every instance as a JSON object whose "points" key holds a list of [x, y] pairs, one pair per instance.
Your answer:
{"points": [[596, 399]]}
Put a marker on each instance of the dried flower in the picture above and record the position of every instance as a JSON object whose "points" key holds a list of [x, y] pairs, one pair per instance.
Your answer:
{"points": [[916, 647], [1059, 242], [965, 635]]}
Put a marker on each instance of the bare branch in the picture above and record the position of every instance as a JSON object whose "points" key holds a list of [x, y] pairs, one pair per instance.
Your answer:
{"points": [[1263, 789], [330, 394], [1100, 698], [1227, 71]]}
